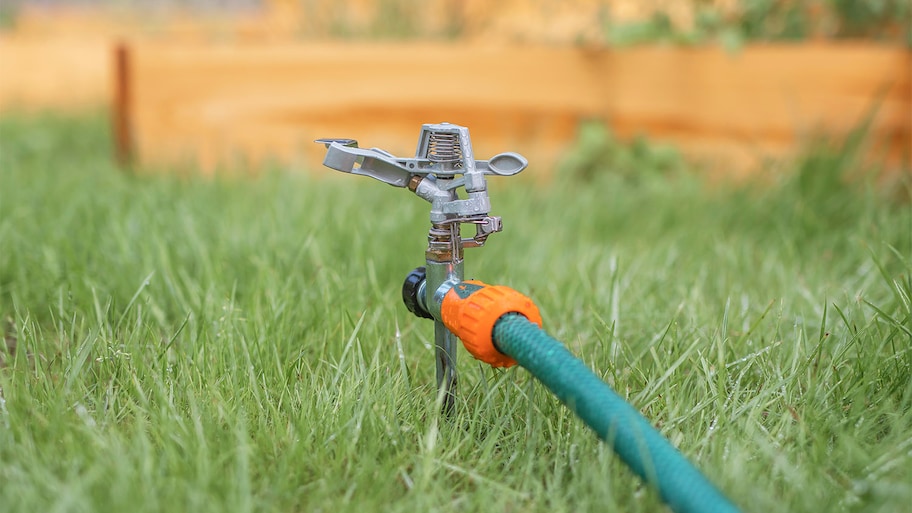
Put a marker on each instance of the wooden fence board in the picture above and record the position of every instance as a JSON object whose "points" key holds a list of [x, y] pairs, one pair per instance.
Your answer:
{"points": [[215, 104], [275, 99], [763, 100], [57, 73]]}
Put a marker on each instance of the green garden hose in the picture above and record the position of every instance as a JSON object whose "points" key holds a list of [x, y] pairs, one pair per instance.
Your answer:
{"points": [[638, 444]]}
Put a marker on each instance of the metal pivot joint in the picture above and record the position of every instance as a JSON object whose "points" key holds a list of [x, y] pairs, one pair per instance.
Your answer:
{"points": [[443, 163]]}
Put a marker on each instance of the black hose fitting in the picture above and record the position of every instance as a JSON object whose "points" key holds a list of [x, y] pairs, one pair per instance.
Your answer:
{"points": [[410, 290]]}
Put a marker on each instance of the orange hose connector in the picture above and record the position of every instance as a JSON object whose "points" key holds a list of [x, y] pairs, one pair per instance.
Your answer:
{"points": [[470, 310]]}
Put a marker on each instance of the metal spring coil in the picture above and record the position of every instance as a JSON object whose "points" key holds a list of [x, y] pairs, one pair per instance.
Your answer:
{"points": [[445, 148]]}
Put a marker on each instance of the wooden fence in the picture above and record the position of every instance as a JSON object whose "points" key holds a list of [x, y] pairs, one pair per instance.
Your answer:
{"points": [[224, 104], [241, 89]]}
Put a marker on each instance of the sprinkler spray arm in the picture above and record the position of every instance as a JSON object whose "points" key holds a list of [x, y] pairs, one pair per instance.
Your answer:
{"points": [[444, 152], [344, 155], [443, 163]]}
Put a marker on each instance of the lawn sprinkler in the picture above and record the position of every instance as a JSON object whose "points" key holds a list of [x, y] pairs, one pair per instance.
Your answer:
{"points": [[443, 163], [499, 325]]}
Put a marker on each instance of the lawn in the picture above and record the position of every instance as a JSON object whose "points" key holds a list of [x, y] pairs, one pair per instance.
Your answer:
{"points": [[239, 344]]}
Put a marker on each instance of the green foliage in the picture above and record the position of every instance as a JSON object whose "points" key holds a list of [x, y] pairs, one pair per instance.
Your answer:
{"points": [[390, 20], [239, 344], [877, 19], [656, 29], [771, 19], [774, 20], [597, 152], [8, 13]]}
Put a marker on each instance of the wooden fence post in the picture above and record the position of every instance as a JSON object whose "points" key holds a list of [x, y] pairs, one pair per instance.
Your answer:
{"points": [[122, 123]]}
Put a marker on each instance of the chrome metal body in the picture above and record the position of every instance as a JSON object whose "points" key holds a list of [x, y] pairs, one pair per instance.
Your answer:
{"points": [[445, 342]]}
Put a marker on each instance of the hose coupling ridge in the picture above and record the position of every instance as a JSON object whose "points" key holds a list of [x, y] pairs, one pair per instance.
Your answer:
{"points": [[472, 308]]}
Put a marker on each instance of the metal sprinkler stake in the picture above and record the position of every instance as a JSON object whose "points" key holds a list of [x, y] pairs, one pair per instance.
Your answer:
{"points": [[443, 163]]}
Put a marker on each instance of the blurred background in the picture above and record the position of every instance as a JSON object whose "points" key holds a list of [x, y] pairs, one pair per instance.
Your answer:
{"points": [[716, 216], [733, 85]]}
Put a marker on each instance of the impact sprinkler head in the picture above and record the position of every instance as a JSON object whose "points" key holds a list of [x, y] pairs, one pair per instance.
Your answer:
{"points": [[443, 163], [444, 158]]}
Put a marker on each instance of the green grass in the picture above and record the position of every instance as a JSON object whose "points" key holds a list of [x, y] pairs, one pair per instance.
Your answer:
{"points": [[240, 344]]}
